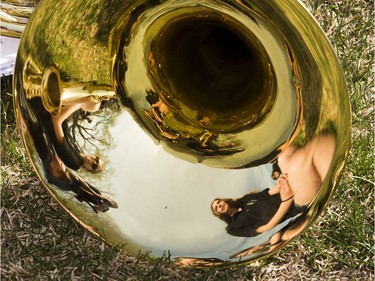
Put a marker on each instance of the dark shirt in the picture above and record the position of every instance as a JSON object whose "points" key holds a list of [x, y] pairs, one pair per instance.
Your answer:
{"points": [[257, 209], [68, 151]]}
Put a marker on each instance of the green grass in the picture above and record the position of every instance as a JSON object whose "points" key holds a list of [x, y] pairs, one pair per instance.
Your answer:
{"points": [[39, 241]]}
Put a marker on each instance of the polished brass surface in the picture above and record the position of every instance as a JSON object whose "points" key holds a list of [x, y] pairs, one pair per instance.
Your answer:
{"points": [[56, 94], [146, 120]]}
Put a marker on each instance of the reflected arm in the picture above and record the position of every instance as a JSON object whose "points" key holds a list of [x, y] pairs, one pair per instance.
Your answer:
{"points": [[275, 189], [59, 119], [276, 219], [286, 195]]}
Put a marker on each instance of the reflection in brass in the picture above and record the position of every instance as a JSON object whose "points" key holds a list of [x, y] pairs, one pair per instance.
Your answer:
{"points": [[56, 94], [14, 16], [210, 131]]}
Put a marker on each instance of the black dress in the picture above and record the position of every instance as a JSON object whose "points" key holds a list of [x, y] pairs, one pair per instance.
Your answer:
{"points": [[257, 209], [68, 151]]}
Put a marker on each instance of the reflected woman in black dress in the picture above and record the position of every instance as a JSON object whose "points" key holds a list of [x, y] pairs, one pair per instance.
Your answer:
{"points": [[303, 170], [62, 177], [55, 170], [65, 146], [255, 212], [64, 142]]}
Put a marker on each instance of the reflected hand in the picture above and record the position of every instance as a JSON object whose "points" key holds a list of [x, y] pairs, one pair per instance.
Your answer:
{"points": [[286, 191]]}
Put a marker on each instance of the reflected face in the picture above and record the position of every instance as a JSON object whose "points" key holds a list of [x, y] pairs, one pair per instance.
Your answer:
{"points": [[92, 163], [220, 206]]}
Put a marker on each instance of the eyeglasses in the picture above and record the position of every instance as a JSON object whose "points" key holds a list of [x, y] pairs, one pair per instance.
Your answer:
{"points": [[96, 163]]}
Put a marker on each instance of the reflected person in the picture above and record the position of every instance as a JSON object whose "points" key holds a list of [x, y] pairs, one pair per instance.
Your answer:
{"points": [[59, 175], [277, 240], [303, 169], [55, 170], [255, 212], [65, 146], [307, 166]]}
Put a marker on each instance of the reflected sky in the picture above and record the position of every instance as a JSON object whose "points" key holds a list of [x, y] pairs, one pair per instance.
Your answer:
{"points": [[164, 202]]}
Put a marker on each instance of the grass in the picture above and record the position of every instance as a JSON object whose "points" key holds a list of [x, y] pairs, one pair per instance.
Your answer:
{"points": [[39, 241]]}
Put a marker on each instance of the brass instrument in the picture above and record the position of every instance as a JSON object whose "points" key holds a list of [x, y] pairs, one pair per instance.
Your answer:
{"points": [[56, 94], [14, 16], [188, 101]]}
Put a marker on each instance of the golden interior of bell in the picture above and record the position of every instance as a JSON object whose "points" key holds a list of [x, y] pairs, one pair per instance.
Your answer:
{"points": [[216, 70], [51, 92]]}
